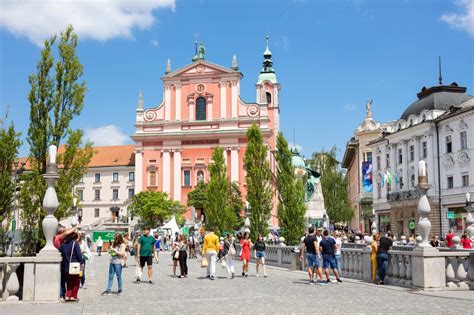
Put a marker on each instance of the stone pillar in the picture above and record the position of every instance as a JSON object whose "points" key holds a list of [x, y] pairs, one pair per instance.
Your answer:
{"points": [[234, 164], [138, 170], [233, 99], [393, 170], [167, 102], [29, 282], [430, 161], [178, 102], [209, 114], [166, 171], [177, 175], [191, 109], [428, 268], [223, 86], [405, 165]]}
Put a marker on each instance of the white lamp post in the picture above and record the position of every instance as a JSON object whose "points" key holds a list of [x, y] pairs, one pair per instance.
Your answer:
{"points": [[424, 208]]}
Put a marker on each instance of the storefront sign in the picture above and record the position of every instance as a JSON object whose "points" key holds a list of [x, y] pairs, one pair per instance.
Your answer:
{"points": [[412, 225], [450, 215]]}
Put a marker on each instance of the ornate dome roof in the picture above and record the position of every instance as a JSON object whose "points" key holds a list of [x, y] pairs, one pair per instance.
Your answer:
{"points": [[440, 97], [296, 159]]}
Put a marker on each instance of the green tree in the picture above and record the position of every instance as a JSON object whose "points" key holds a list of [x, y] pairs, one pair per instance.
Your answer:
{"points": [[56, 97], [9, 144], [236, 204], [155, 207], [334, 186], [291, 206], [197, 197], [258, 180], [219, 212]]}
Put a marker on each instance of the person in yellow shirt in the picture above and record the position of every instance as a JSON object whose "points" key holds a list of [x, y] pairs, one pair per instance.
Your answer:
{"points": [[210, 248], [373, 256]]}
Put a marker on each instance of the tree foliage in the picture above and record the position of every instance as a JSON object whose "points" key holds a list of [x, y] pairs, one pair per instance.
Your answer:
{"points": [[197, 197], [219, 212], [9, 144], [258, 180], [291, 206], [56, 96], [334, 186], [155, 208], [236, 204]]}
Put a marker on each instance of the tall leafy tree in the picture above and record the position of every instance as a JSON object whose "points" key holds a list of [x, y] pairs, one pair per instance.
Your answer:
{"points": [[56, 97], [258, 180], [334, 186], [9, 144], [197, 197], [291, 206], [155, 208], [219, 212], [236, 203]]}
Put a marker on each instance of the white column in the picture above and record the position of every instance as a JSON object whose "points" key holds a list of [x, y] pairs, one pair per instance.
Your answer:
{"points": [[223, 86], [257, 96], [178, 102], [234, 164], [191, 109], [405, 165], [166, 171], [138, 171], [417, 158], [167, 102], [234, 98], [209, 108], [430, 160], [394, 166], [177, 175]]}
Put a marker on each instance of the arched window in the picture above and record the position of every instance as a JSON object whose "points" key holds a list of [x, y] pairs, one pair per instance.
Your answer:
{"points": [[269, 97], [201, 108]]}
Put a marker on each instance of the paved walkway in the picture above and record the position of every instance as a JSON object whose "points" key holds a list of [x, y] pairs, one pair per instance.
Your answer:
{"points": [[283, 292]]}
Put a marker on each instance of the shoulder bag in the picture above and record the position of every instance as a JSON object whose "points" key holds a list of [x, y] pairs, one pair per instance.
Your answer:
{"points": [[74, 267]]}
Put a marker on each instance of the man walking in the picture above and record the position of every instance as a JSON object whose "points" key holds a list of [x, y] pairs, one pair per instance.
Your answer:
{"points": [[327, 248], [146, 251], [382, 256], [209, 250], [313, 256], [100, 243]]}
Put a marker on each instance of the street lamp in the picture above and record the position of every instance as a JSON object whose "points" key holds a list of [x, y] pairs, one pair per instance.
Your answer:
{"points": [[469, 219]]}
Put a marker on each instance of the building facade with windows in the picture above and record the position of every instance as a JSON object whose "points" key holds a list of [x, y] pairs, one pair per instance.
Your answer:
{"points": [[438, 129], [202, 109], [105, 191]]}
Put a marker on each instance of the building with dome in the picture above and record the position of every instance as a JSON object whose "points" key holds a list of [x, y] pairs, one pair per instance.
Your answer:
{"points": [[202, 109], [437, 128]]}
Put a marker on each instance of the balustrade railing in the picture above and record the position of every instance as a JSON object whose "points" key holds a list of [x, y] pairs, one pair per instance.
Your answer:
{"points": [[457, 269], [399, 268]]}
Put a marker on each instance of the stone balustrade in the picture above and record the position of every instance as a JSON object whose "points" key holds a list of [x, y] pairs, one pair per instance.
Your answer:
{"points": [[457, 270], [399, 268], [277, 255]]}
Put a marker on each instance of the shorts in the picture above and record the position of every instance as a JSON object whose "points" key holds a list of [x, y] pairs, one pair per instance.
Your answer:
{"points": [[312, 260], [329, 261], [147, 259], [260, 254]]}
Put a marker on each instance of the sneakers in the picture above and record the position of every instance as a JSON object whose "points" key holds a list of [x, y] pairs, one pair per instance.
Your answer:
{"points": [[138, 280], [258, 275], [232, 276], [328, 281], [243, 274], [311, 282], [106, 292], [212, 277], [119, 292], [339, 281], [265, 275], [150, 281]]}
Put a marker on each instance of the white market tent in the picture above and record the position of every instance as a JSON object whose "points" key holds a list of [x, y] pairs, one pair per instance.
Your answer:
{"points": [[172, 226]]}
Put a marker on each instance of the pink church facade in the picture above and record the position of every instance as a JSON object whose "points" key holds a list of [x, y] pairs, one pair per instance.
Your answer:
{"points": [[200, 110]]}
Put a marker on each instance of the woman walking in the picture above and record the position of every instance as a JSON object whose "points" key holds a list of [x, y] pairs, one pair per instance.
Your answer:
{"points": [[117, 252], [175, 253], [245, 245], [138, 269], [259, 253], [229, 253], [183, 256], [71, 254]]}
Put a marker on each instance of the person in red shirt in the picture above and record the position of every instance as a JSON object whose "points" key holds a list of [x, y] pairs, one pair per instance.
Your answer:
{"points": [[466, 241], [449, 238]]}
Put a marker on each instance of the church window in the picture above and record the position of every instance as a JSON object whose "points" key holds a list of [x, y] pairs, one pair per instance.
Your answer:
{"points": [[152, 178], [200, 108], [269, 97]]}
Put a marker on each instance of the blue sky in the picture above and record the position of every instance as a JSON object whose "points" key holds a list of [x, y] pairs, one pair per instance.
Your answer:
{"points": [[330, 56]]}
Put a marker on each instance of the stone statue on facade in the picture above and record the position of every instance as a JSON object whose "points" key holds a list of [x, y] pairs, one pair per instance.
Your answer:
{"points": [[368, 108], [202, 51]]}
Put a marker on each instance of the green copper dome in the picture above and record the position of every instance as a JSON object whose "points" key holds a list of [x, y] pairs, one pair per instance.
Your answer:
{"points": [[297, 161]]}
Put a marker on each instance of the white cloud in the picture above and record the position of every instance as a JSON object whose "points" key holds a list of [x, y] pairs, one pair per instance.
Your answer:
{"points": [[93, 19], [106, 135], [463, 20], [350, 108], [154, 43]]}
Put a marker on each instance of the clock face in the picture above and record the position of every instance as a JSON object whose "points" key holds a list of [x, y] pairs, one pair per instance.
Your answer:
{"points": [[200, 88], [200, 69]]}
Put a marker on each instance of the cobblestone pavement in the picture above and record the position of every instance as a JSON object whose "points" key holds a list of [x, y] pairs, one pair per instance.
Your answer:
{"points": [[283, 292]]}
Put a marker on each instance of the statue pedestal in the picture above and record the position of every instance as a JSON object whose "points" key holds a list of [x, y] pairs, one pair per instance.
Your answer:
{"points": [[428, 268], [47, 276]]}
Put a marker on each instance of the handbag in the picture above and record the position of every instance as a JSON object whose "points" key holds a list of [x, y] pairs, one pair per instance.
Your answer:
{"points": [[176, 254], [74, 267], [232, 250], [204, 262]]}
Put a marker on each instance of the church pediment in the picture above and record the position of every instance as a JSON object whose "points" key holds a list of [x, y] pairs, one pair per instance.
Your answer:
{"points": [[199, 68]]}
